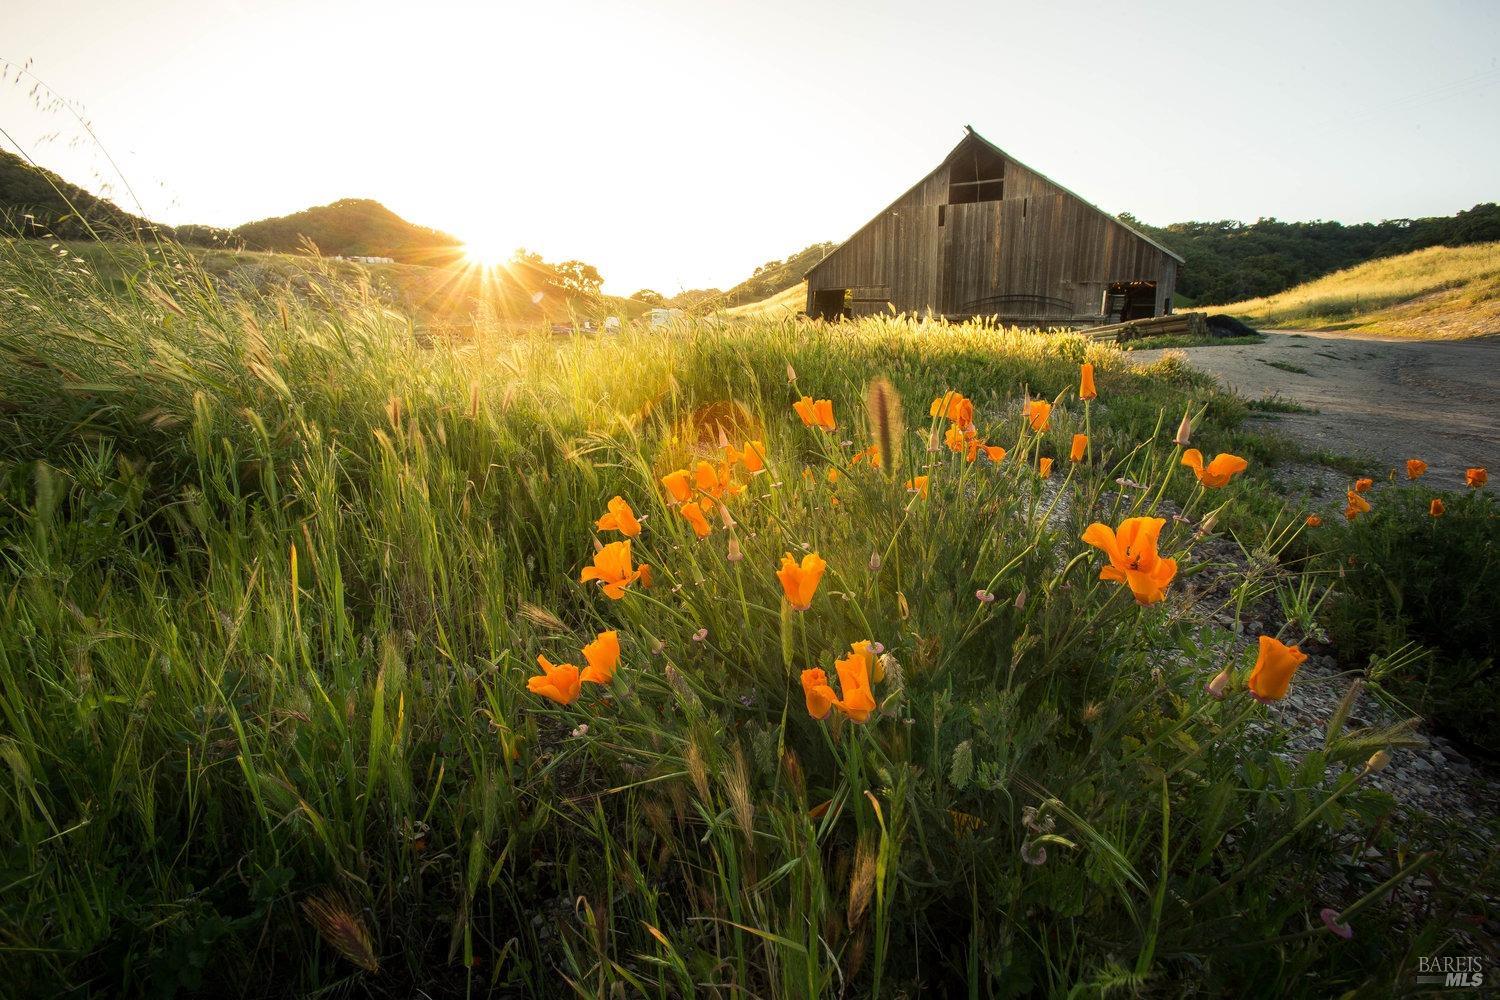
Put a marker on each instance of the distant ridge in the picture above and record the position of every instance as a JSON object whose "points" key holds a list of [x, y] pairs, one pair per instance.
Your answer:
{"points": [[352, 227], [37, 202]]}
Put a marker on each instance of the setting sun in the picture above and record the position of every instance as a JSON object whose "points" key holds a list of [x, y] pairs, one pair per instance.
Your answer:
{"points": [[487, 252]]}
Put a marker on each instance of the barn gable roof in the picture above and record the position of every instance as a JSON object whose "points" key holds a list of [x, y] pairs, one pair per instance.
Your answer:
{"points": [[971, 135]]}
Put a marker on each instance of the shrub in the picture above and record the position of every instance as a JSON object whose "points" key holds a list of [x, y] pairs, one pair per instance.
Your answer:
{"points": [[1405, 576]]}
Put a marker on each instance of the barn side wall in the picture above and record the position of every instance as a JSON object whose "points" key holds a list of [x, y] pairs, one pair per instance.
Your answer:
{"points": [[1038, 254]]}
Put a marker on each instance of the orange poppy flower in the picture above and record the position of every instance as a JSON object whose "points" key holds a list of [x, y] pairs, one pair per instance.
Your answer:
{"points": [[1357, 505], [619, 518], [819, 695], [1217, 473], [706, 478], [560, 683], [678, 486], [1080, 447], [954, 407], [1437, 508], [753, 458], [918, 484], [1415, 468], [1038, 414], [693, 514], [833, 475], [965, 440], [613, 569], [866, 648], [602, 655], [1274, 668], [858, 699], [1314, 521], [815, 412], [1045, 467], [1363, 485], [1476, 477], [1086, 388], [871, 454], [1133, 559], [800, 581], [993, 452], [645, 573]]}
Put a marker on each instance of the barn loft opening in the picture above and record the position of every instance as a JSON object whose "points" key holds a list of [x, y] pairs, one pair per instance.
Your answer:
{"points": [[978, 174]]}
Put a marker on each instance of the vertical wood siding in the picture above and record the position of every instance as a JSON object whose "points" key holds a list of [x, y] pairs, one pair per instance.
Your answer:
{"points": [[1040, 254]]}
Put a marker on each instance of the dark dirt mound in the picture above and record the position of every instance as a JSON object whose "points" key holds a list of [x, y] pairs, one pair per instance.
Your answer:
{"points": [[1220, 325]]}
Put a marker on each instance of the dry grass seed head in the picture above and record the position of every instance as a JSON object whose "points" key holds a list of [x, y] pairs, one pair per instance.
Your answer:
{"points": [[861, 880], [337, 923], [737, 787]]}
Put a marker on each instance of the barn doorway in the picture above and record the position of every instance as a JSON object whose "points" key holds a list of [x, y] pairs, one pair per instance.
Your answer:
{"points": [[831, 303], [1127, 300]]}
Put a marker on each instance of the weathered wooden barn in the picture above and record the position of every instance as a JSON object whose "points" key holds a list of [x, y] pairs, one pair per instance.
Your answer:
{"points": [[985, 235]]}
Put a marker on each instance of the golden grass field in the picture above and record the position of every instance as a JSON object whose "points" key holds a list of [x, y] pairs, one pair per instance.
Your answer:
{"points": [[1441, 293]]}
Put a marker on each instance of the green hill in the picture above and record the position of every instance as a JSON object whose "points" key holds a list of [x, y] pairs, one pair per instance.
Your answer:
{"points": [[36, 202], [1441, 293], [1231, 261], [351, 227], [767, 281]]}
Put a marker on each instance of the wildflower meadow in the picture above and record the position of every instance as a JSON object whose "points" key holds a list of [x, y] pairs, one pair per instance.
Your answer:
{"points": [[739, 658]]}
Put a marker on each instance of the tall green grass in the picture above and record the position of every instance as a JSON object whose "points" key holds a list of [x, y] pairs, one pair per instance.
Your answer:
{"points": [[276, 569]]}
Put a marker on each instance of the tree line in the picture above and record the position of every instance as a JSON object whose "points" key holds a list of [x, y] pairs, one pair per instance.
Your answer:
{"points": [[1229, 261]]}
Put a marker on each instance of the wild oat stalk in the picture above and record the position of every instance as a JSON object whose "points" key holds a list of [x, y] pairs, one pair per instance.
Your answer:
{"points": [[883, 410]]}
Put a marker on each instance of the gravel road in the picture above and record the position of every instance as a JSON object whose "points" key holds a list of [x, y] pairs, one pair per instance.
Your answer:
{"points": [[1385, 400]]}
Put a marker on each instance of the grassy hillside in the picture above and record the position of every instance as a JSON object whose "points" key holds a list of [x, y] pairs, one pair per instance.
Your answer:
{"points": [[352, 227], [278, 574], [1229, 261], [768, 281], [440, 300], [36, 202], [788, 302], [1443, 293]]}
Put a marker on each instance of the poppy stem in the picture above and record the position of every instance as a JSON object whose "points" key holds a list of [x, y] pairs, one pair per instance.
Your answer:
{"points": [[1281, 841]]}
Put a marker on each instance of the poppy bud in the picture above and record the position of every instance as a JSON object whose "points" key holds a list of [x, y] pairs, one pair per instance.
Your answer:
{"points": [[1330, 918], [791, 374], [875, 562], [1378, 760], [1184, 432], [984, 596], [1021, 599], [1215, 687], [735, 555]]}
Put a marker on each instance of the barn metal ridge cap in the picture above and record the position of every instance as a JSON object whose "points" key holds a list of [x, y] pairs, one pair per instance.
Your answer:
{"points": [[968, 134]]}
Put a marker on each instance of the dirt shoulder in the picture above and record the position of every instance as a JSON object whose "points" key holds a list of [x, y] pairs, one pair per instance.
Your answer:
{"points": [[1384, 400]]}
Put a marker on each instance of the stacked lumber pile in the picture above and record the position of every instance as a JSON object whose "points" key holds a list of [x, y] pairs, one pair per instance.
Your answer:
{"points": [[1190, 324]]}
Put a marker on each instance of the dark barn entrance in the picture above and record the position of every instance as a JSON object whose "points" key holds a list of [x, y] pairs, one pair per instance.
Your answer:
{"points": [[1127, 300], [831, 303]]}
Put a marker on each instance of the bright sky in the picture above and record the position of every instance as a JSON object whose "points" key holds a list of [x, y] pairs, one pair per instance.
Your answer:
{"points": [[679, 143]]}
